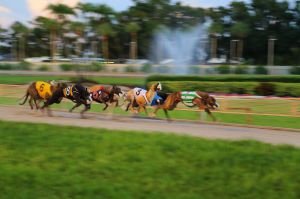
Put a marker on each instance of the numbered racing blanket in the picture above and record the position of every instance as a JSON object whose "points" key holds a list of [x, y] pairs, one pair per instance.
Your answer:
{"points": [[142, 92], [44, 89], [188, 97], [68, 92]]}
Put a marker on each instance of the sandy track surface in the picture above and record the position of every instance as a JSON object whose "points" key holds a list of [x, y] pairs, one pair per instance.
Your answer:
{"points": [[23, 114]]}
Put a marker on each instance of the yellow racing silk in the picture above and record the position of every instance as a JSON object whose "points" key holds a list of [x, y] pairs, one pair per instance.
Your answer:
{"points": [[68, 92], [44, 89]]}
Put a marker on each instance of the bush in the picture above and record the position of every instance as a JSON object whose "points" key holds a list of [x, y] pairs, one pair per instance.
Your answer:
{"points": [[6, 66], [194, 70], [287, 89], [95, 66], [44, 68], [20, 66], [224, 69], [211, 87], [163, 69], [23, 66], [265, 89], [146, 68], [278, 89], [261, 70], [67, 67], [130, 69], [242, 69], [227, 78], [295, 70]]}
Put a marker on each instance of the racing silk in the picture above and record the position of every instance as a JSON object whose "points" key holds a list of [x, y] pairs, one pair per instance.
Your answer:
{"points": [[142, 92], [96, 92], [187, 97], [68, 91], [155, 100], [44, 89]]}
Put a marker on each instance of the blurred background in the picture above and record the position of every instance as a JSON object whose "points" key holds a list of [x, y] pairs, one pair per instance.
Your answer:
{"points": [[155, 35]]}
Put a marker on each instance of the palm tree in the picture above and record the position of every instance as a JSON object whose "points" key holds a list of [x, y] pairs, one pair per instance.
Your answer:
{"points": [[133, 28], [78, 28], [21, 32], [105, 30], [52, 26], [100, 18], [215, 29], [240, 30], [60, 11]]}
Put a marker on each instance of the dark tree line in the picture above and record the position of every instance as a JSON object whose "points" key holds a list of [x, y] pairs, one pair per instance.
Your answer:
{"points": [[239, 30]]}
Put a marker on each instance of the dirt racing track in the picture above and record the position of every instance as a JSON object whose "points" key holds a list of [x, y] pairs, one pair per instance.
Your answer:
{"points": [[210, 131]]}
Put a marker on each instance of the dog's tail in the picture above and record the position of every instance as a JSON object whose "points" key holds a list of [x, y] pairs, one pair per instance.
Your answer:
{"points": [[26, 97]]}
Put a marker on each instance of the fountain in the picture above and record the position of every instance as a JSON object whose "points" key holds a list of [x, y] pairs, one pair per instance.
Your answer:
{"points": [[179, 49]]}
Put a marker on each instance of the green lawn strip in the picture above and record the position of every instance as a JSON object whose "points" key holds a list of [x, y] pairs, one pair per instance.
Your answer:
{"points": [[227, 78], [273, 121], [47, 161], [14, 79]]}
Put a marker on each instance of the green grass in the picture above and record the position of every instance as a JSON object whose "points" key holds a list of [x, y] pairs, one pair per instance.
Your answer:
{"points": [[47, 161], [15, 79]]}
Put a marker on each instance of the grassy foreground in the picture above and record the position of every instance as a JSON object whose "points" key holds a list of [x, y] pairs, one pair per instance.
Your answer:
{"points": [[46, 161]]}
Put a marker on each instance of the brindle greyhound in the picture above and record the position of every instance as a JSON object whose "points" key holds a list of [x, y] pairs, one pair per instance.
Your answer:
{"points": [[75, 93], [41, 91], [105, 95], [198, 99]]}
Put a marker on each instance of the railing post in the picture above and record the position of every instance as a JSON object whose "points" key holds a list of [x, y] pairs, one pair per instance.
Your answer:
{"points": [[249, 118], [294, 107]]}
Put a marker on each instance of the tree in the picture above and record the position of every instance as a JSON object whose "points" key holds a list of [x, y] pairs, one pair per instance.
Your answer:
{"points": [[133, 28], [21, 32], [78, 28], [60, 11], [52, 26], [215, 30], [240, 30], [106, 31]]}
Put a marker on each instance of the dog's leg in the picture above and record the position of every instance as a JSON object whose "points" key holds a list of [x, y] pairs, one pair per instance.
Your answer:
{"points": [[30, 103], [167, 115], [86, 107], [75, 106], [210, 114], [106, 105]]}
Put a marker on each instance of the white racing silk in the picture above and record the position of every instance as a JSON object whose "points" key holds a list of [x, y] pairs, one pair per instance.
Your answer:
{"points": [[142, 92]]}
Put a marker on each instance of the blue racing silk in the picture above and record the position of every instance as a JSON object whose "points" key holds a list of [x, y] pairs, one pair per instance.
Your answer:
{"points": [[155, 100]]}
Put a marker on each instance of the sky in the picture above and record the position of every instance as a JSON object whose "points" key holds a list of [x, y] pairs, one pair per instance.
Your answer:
{"points": [[26, 10]]}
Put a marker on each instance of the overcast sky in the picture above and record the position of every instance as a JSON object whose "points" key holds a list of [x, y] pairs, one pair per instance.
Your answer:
{"points": [[26, 10]]}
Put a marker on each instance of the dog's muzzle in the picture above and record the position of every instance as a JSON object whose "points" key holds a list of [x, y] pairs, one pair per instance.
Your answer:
{"points": [[216, 105], [89, 100]]}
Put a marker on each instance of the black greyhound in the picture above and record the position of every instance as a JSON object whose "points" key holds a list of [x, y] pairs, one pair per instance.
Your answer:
{"points": [[76, 93]]}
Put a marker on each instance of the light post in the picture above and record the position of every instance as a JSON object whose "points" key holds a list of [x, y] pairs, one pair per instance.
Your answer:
{"points": [[271, 45]]}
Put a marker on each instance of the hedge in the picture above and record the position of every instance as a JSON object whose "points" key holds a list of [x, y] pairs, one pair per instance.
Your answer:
{"points": [[277, 89], [18, 66], [83, 67], [228, 78]]}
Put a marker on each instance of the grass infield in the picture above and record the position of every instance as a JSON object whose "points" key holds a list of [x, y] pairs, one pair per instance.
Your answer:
{"points": [[47, 161]]}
